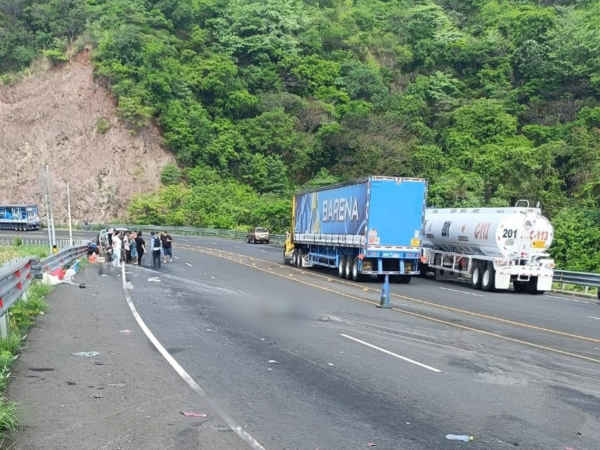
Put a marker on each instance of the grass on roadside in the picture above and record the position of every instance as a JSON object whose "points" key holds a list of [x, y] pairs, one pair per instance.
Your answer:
{"points": [[21, 318], [11, 252]]}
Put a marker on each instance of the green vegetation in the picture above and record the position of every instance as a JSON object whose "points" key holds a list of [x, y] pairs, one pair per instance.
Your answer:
{"points": [[18, 250], [491, 100], [21, 318]]}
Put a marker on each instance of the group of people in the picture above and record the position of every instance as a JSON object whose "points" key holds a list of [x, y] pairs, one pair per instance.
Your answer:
{"points": [[129, 247]]}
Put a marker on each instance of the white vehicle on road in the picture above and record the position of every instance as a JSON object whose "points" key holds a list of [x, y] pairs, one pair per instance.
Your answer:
{"points": [[491, 247]]}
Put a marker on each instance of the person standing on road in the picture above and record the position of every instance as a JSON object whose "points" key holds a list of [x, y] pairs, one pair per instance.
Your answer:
{"points": [[167, 244], [141, 247], [127, 247], [133, 247], [156, 247], [116, 245]]}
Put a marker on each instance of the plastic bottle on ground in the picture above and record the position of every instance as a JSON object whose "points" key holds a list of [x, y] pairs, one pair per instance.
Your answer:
{"points": [[459, 437]]}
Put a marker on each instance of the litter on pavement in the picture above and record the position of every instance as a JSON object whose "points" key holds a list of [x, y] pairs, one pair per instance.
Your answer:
{"points": [[193, 414], [86, 354], [126, 331], [155, 279], [272, 361], [459, 437]]}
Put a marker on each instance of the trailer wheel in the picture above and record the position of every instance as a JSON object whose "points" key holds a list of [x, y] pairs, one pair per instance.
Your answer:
{"points": [[356, 276], [341, 266], [285, 260], [348, 268], [520, 286], [488, 279], [402, 279], [476, 277], [299, 258], [532, 287]]}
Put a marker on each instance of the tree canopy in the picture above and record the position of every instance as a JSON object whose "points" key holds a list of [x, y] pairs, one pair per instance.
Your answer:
{"points": [[491, 100]]}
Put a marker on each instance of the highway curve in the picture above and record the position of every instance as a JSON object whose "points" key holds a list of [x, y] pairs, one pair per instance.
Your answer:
{"points": [[400, 379]]}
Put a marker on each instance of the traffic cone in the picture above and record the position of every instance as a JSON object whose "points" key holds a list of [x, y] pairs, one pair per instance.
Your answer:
{"points": [[384, 302]]}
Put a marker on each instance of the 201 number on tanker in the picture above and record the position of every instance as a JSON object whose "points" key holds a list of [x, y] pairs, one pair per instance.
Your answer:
{"points": [[510, 234]]}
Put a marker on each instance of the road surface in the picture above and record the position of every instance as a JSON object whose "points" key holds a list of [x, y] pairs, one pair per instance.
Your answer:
{"points": [[511, 369]]}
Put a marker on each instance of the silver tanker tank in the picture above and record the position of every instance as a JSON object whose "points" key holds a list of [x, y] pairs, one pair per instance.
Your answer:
{"points": [[510, 233]]}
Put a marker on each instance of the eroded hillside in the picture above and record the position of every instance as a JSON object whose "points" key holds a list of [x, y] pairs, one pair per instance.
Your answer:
{"points": [[63, 118]]}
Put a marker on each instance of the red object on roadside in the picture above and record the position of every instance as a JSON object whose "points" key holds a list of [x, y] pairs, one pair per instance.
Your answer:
{"points": [[58, 273]]}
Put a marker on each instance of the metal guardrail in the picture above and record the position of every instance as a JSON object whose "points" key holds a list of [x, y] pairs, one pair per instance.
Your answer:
{"points": [[16, 277], [41, 242], [14, 281], [65, 256], [584, 279]]}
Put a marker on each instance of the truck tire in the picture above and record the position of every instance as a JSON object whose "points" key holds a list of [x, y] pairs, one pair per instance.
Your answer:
{"points": [[341, 266], [402, 279], [476, 277], [299, 258], [356, 276], [285, 260], [532, 287], [520, 286], [348, 268], [488, 282], [423, 270]]}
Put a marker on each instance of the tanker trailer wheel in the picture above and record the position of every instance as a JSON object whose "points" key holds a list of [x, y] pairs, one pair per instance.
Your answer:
{"points": [[341, 266], [520, 286], [488, 278], [356, 275], [348, 268], [476, 276], [532, 287]]}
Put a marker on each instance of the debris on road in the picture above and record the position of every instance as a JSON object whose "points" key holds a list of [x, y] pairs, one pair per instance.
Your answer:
{"points": [[272, 361], [86, 354], [459, 437], [193, 414], [155, 279], [126, 331], [116, 385], [96, 396], [330, 364], [370, 444], [81, 285]]}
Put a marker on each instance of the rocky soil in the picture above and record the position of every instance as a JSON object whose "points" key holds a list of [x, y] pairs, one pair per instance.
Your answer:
{"points": [[63, 118]]}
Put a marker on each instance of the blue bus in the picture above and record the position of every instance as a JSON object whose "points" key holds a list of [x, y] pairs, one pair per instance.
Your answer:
{"points": [[19, 217]]}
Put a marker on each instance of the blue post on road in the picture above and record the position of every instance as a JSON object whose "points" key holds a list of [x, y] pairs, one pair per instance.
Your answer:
{"points": [[384, 302]]}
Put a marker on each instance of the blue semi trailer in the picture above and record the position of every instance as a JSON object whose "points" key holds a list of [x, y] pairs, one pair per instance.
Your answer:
{"points": [[366, 227], [19, 217]]}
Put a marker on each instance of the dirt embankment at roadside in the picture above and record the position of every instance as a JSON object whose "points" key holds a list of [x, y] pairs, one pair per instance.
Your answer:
{"points": [[63, 118]]}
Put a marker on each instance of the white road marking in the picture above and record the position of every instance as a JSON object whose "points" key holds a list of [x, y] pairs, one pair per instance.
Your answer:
{"points": [[595, 318], [237, 246], [462, 292], [569, 299], [212, 243], [216, 408], [176, 257], [395, 355], [188, 264], [263, 251]]}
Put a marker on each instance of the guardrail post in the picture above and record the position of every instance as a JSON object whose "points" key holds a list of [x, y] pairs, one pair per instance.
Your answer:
{"points": [[3, 325]]}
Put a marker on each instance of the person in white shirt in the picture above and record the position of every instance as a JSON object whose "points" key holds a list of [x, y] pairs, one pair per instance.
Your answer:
{"points": [[116, 245]]}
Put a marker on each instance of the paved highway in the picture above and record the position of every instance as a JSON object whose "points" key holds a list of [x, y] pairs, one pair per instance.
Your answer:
{"points": [[510, 369]]}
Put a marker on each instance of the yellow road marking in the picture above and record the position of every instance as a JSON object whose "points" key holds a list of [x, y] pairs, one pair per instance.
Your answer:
{"points": [[432, 319]]}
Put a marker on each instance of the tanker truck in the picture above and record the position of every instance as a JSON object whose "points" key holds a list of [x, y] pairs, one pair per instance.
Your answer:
{"points": [[490, 247], [368, 227]]}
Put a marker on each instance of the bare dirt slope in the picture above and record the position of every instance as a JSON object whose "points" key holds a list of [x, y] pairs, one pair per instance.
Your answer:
{"points": [[61, 117]]}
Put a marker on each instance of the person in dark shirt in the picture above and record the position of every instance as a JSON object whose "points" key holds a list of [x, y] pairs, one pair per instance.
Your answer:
{"points": [[167, 245], [141, 247]]}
